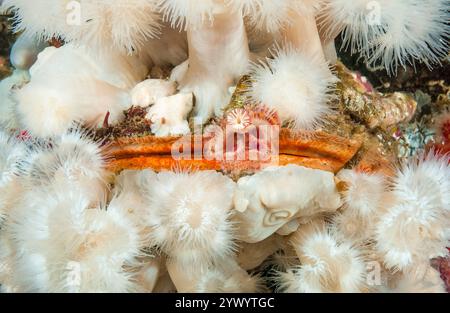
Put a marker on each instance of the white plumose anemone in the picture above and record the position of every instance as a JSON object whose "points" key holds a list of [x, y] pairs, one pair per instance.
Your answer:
{"points": [[43, 19], [419, 33], [74, 161], [327, 264], [364, 200], [391, 33], [13, 154], [428, 174], [189, 215], [364, 192], [124, 25], [416, 228], [63, 245], [60, 238], [296, 86]]}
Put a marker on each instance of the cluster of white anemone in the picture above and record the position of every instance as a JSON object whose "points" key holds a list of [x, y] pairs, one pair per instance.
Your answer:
{"points": [[211, 44], [64, 229], [68, 225]]}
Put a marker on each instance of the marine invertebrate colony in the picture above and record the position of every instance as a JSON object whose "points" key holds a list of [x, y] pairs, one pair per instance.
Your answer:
{"points": [[391, 33], [426, 214], [128, 127], [218, 47], [327, 265]]}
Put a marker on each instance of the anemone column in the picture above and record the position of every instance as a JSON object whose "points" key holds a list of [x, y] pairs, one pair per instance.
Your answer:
{"points": [[218, 55], [302, 33]]}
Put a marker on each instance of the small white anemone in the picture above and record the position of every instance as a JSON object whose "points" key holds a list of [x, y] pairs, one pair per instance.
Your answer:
{"points": [[72, 160], [327, 264], [364, 200], [43, 19], [415, 228], [190, 216], [123, 25], [391, 33], [296, 86]]}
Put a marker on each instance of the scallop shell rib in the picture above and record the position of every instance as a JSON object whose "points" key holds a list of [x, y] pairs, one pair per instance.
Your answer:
{"points": [[314, 150]]}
